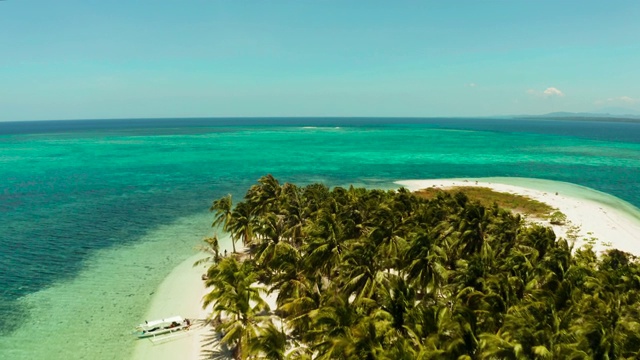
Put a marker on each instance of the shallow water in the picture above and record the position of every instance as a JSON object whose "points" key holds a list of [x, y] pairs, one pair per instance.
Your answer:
{"points": [[90, 316], [95, 214]]}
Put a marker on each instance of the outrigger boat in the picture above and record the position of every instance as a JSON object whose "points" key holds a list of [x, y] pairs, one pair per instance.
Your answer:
{"points": [[154, 328]]}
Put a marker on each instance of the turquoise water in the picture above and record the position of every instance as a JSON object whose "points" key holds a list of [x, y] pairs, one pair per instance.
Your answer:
{"points": [[95, 213]]}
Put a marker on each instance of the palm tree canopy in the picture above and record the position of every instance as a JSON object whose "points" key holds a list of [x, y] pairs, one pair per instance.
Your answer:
{"points": [[373, 274]]}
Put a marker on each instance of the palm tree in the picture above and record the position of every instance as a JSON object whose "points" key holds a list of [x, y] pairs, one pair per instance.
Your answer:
{"points": [[222, 209], [289, 274], [425, 262], [388, 233], [398, 300], [294, 211], [326, 244], [472, 228], [360, 275], [265, 196], [270, 343], [369, 336], [242, 223], [315, 197], [330, 333], [436, 326], [540, 238], [236, 303], [212, 248]]}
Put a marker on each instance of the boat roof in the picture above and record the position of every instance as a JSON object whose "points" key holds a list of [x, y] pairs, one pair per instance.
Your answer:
{"points": [[171, 319]]}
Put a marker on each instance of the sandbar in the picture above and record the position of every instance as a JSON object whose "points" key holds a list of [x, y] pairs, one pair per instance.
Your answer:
{"points": [[598, 219]]}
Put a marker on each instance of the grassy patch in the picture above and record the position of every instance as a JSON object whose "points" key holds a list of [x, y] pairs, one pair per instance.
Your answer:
{"points": [[487, 197]]}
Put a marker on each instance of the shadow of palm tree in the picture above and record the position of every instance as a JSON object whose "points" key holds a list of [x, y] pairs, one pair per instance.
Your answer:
{"points": [[212, 348]]}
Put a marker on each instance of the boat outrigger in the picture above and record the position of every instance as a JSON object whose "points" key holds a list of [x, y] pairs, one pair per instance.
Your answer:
{"points": [[168, 325]]}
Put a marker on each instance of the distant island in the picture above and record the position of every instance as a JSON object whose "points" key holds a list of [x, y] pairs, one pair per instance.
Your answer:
{"points": [[353, 273], [613, 117]]}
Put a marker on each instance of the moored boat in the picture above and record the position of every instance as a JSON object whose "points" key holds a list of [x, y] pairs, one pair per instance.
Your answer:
{"points": [[168, 325]]}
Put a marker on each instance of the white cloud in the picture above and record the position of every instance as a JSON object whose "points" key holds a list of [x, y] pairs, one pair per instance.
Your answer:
{"points": [[618, 100], [548, 92], [471, 85], [551, 91]]}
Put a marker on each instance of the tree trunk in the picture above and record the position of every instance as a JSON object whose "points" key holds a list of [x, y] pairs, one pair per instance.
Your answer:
{"points": [[237, 351]]}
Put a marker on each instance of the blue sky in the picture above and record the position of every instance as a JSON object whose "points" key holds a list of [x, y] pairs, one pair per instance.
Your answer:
{"points": [[72, 59]]}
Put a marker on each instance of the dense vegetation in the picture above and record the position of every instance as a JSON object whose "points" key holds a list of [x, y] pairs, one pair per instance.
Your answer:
{"points": [[372, 274]]}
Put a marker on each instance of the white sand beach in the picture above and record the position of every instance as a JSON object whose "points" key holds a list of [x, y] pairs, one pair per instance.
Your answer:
{"points": [[613, 222], [179, 294]]}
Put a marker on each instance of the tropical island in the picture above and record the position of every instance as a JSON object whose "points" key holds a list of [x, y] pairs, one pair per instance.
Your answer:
{"points": [[353, 273]]}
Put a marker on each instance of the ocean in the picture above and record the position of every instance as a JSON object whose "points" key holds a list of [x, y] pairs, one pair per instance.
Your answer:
{"points": [[95, 213]]}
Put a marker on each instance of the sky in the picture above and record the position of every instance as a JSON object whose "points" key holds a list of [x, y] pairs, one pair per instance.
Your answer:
{"points": [[85, 59]]}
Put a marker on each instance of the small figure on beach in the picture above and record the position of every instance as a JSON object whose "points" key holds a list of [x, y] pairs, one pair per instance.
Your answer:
{"points": [[172, 325]]}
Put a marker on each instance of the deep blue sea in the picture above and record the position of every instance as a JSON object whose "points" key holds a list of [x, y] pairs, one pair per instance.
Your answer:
{"points": [[93, 214]]}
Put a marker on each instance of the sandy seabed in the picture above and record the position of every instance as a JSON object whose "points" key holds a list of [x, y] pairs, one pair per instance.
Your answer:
{"points": [[601, 220]]}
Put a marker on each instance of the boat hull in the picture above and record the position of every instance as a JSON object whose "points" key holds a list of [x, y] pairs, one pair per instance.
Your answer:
{"points": [[165, 326]]}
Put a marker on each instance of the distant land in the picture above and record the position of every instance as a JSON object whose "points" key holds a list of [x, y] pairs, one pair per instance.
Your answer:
{"points": [[584, 116]]}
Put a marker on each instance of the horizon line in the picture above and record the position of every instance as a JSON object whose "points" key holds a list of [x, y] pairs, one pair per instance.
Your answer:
{"points": [[548, 115]]}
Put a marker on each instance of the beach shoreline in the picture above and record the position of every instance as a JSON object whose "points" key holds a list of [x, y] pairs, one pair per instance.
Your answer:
{"points": [[180, 293], [590, 214]]}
